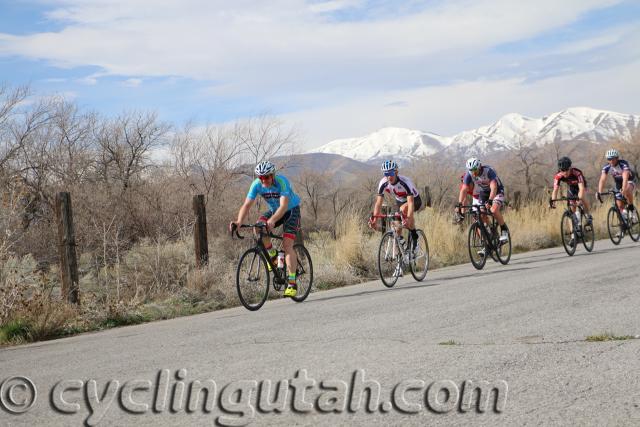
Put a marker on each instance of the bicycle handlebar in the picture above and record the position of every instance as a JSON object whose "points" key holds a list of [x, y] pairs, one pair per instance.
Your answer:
{"points": [[393, 215], [260, 225]]}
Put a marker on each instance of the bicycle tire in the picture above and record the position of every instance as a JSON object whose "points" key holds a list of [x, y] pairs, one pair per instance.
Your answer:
{"points": [[476, 242], [388, 256], [253, 299], [567, 233], [502, 257], [634, 228], [612, 220], [588, 235], [418, 254], [304, 270]]}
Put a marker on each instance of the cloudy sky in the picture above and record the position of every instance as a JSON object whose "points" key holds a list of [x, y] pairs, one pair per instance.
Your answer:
{"points": [[332, 68]]}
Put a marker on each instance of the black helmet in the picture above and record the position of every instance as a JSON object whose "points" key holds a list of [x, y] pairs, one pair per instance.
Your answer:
{"points": [[564, 163]]}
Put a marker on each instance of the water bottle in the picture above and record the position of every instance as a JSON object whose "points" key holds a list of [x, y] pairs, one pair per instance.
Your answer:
{"points": [[578, 217], [280, 259]]}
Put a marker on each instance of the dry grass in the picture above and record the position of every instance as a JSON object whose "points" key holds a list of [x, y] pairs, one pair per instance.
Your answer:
{"points": [[157, 279]]}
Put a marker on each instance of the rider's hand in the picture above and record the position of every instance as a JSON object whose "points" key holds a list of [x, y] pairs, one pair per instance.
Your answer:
{"points": [[271, 224], [488, 204], [231, 226], [552, 204], [598, 196]]}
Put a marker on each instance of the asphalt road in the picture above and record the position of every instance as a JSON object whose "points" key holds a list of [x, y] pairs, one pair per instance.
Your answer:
{"points": [[521, 327]]}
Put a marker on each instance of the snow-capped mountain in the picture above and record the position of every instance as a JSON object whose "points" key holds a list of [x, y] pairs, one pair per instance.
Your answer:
{"points": [[572, 124], [387, 142]]}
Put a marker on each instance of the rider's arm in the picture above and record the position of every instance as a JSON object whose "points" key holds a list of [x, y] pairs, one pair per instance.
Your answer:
{"points": [[625, 179], [463, 193], [581, 190], [603, 179], [494, 189], [554, 193], [378, 205], [244, 210], [279, 213]]}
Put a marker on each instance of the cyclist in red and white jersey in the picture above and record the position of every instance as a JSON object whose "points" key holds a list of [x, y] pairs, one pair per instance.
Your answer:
{"points": [[407, 197]]}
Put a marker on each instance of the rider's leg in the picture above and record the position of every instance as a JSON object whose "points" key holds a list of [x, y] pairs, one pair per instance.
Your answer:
{"points": [[291, 228], [496, 211], [410, 223], [266, 240], [628, 193]]}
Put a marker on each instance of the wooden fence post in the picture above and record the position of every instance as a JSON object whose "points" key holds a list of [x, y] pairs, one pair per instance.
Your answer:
{"points": [[200, 231], [427, 196], [67, 249]]}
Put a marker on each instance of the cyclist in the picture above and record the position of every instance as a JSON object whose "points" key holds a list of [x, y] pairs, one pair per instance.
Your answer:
{"points": [[487, 190], [408, 199], [284, 209], [577, 185], [623, 177]]}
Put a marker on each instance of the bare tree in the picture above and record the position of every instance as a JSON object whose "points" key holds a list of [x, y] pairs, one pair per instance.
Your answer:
{"points": [[126, 144], [263, 138], [205, 159]]}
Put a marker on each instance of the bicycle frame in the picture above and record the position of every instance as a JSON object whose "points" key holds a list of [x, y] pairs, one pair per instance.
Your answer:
{"points": [[279, 274], [625, 204], [477, 212], [398, 216]]}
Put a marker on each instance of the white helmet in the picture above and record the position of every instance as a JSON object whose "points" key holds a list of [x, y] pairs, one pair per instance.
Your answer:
{"points": [[612, 153], [265, 168], [388, 165], [473, 164]]}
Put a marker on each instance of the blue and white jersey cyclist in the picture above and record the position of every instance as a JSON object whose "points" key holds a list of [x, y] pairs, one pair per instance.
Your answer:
{"points": [[623, 176], [406, 195], [284, 209], [487, 190]]}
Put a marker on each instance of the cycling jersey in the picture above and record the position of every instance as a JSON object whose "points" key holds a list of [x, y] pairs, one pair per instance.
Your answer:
{"points": [[617, 170], [481, 183], [281, 187], [574, 178], [469, 186], [400, 190]]}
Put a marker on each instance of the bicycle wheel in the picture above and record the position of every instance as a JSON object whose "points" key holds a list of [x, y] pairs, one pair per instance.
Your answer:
{"points": [[634, 225], [588, 235], [304, 273], [388, 259], [504, 249], [477, 246], [495, 238], [252, 279], [614, 227], [419, 261], [566, 232]]}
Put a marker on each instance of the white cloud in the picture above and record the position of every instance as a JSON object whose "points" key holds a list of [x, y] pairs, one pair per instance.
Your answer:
{"points": [[132, 82]]}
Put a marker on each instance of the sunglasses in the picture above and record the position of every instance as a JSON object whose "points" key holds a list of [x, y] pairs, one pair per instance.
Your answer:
{"points": [[390, 173], [264, 178]]}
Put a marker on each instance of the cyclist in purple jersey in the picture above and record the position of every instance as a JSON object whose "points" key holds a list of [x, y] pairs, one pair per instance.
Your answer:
{"points": [[407, 198], [623, 177], [487, 190]]}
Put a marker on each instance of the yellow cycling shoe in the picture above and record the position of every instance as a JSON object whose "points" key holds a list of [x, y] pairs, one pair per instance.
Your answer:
{"points": [[291, 291]]}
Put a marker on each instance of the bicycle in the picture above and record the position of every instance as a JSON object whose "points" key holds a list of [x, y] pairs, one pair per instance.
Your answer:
{"points": [[572, 226], [253, 273], [483, 241], [617, 221], [394, 255]]}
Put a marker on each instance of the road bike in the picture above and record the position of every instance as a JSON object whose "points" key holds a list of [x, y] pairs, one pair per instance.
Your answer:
{"points": [[484, 239], [619, 224], [256, 268], [573, 227], [395, 253]]}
